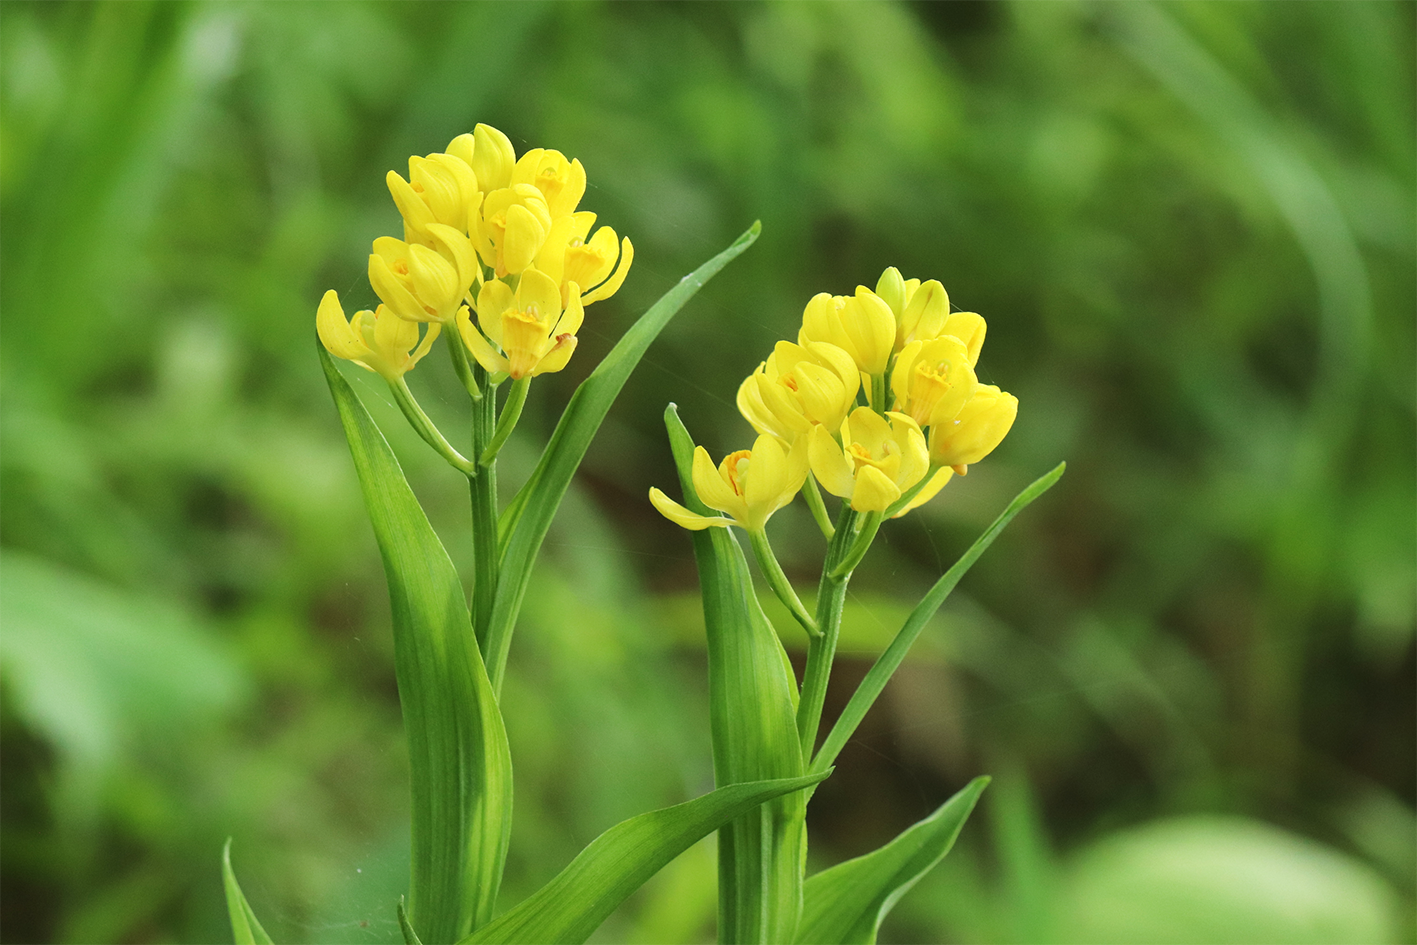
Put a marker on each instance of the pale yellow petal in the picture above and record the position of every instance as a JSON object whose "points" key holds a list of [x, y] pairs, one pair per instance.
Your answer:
{"points": [[335, 333], [556, 359], [932, 488], [767, 475], [711, 489], [392, 291], [492, 157], [968, 327], [481, 349], [873, 492], [494, 298], [524, 238], [612, 285], [681, 516], [538, 294], [829, 464]]}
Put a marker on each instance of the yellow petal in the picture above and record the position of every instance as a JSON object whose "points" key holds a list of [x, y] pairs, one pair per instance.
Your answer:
{"points": [[612, 285], [681, 516], [891, 288], [556, 359], [711, 489], [932, 488], [392, 291], [523, 239], [968, 327], [573, 316], [873, 492], [539, 294], [416, 214], [767, 474], [334, 331], [481, 349], [494, 299], [829, 464], [925, 315], [492, 158], [458, 249], [435, 282]]}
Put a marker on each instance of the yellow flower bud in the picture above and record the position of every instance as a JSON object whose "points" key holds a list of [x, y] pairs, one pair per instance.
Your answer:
{"points": [[748, 486], [512, 226], [440, 189], [932, 380], [797, 387], [377, 341], [862, 326], [418, 283], [490, 155], [561, 182], [981, 425], [876, 461], [525, 333]]}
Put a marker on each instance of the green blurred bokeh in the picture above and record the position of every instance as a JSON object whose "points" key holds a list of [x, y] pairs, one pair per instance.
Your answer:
{"points": [[1190, 667]]}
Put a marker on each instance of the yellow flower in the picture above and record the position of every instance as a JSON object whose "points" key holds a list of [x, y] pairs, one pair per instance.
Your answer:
{"points": [[534, 334], [490, 155], [419, 283], [561, 182], [440, 189], [377, 341], [748, 486], [932, 380], [569, 256], [797, 387], [980, 426], [922, 313], [861, 325], [512, 226], [875, 462]]}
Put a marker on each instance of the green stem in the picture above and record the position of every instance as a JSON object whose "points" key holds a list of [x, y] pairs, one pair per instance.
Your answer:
{"points": [[486, 557], [507, 422], [818, 508], [778, 581], [461, 367], [821, 650], [425, 428], [869, 526], [910, 493], [878, 393]]}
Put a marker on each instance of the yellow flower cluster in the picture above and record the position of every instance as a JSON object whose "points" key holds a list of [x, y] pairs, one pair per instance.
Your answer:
{"points": [[487, 232], [925, 416]]}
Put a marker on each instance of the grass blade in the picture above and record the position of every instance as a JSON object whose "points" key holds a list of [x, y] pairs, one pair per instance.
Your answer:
{"points": [[887, 663], [530, 512], [245, 927], [461, 769]]}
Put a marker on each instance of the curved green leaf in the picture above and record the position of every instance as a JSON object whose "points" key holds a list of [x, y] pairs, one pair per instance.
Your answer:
{"points": [[620, 861], [461, 769], [847, 902], [887, 663], [753, 722], [529, 515], [245, 927]]}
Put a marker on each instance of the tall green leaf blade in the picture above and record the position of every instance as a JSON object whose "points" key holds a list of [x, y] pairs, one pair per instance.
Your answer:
{"points": [[846, 903], [461, 768], [530, 512], [887, 663], [753, 723], [620, 861], [245, 927]]}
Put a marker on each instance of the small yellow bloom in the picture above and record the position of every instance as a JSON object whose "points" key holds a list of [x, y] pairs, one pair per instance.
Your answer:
{"points": [[440, 189], [378, 341], [490, 155], [512, 226], [922, 313], [534, 334], [748, 486], [561, 182], [876, 461], [862, 326], [570, 254], [422, 284], [981, 425], [932, 380], [797, 387]]}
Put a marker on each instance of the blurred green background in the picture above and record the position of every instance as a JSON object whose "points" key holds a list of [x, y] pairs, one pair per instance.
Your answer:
{"points": [[1190, 667]]}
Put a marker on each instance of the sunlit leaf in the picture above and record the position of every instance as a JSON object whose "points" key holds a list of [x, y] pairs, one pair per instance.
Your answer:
{"points": [[753, 723], [461, 769], [847, 902], [530, 512], [245, 927], [620, 861]]}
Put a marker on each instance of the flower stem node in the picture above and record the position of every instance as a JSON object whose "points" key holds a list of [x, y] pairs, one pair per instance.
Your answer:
{"points": [[748, 486]]}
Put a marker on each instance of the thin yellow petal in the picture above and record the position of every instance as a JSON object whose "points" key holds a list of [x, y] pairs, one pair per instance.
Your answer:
{"points": [[874, 492], [681, 516]]}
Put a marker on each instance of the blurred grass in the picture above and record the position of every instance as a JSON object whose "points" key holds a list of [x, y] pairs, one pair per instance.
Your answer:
{"points": [[1191, 227]]}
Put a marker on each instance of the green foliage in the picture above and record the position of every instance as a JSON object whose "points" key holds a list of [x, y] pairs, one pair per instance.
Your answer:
{"points": [[244, 925]]}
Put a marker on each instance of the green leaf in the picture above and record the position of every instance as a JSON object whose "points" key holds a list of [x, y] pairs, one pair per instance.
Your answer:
{"points": [[847, 902], [621, 860], [530, 512], [461, 769], [245, 927], [410, 937], [887, 663], [753, 723]]}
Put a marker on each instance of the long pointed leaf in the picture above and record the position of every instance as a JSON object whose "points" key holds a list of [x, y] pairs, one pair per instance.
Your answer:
{"points": [[887, 663], [620, 861], [753, 723], [531, 511], [461, 769], [847, 902], [245, 927]]}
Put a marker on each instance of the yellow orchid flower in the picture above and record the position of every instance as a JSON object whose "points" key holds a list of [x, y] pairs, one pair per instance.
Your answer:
{"points": [[932, 380], [922, 313], [511, 227], [798, 387], [570, 254], [748, 486], [422, 284], [529, 327], [378, 341], [490, 155], [440, 189], [561, 182], [980, 426], [861, 325], [877, 460]]}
